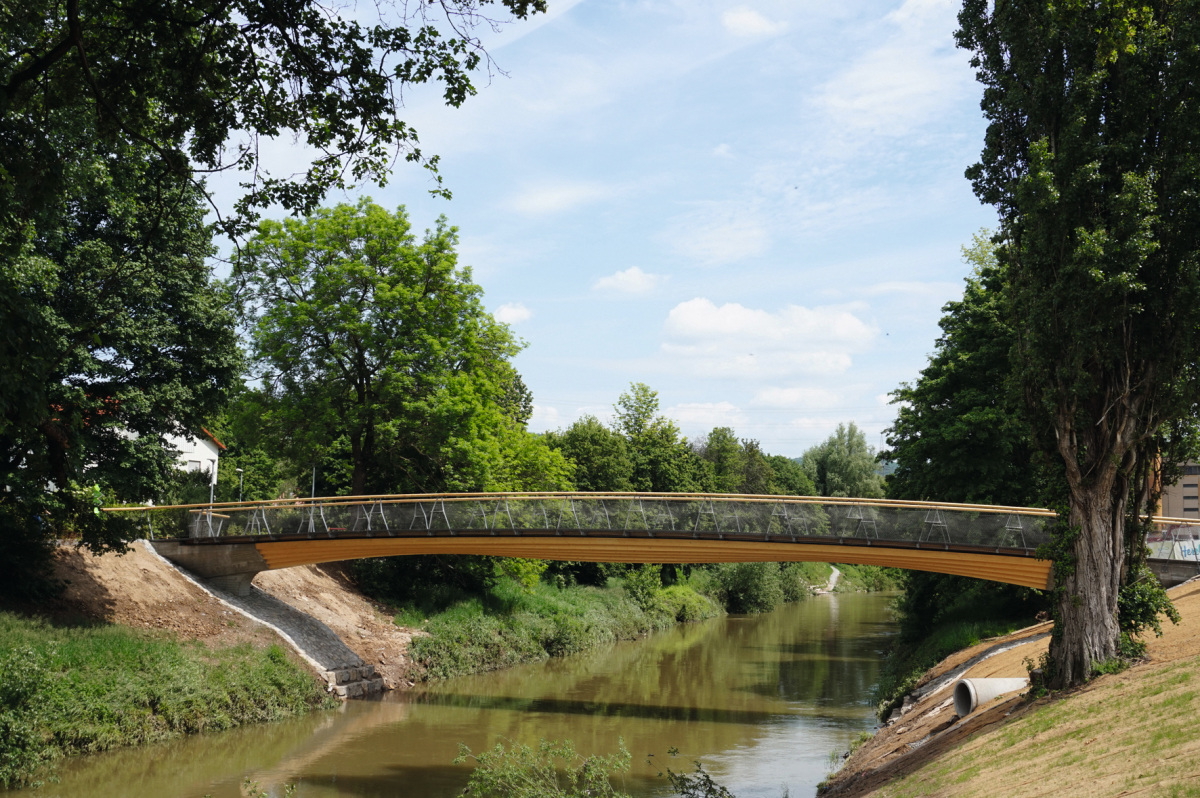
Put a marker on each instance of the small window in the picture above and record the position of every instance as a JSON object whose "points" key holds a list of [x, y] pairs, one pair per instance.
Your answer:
{"points": [[1189, 484], [1191, 470], [193, 465]]}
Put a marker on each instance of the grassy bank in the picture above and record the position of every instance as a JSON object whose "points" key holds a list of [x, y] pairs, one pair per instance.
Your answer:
{"points": [[1132, 733], [512, 624], [867, 579], [507, 623], [81, 689]]}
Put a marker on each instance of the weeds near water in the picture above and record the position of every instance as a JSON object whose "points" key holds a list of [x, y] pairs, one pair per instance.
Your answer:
{"points": [[84, 689]]}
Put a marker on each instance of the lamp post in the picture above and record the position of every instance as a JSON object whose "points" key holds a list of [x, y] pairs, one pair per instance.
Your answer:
{"points": [[241, 481]]}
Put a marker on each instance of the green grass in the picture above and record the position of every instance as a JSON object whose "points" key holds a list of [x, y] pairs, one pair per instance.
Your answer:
{"points": [[867, 579], [511, 625], [508, 624], [905, 664], [81, 689]]}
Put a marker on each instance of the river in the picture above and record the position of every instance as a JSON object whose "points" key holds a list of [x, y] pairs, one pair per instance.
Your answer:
{"points": [[761, 700]]}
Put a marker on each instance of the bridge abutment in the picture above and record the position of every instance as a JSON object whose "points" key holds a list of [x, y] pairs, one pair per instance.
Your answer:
{"points": [[228, 566]]}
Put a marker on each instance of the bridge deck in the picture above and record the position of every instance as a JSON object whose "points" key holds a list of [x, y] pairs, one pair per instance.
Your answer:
{"points": [[996, 543]]}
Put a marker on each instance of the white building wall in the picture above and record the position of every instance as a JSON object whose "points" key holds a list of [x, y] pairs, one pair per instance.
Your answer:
{"points": [[197, 454]]}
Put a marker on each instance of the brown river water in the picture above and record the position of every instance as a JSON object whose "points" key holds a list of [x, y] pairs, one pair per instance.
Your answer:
{"points": [[761, 700]]}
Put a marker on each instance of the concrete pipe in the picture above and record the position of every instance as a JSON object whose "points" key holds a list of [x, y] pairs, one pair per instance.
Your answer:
{"points": [[970, 694]]}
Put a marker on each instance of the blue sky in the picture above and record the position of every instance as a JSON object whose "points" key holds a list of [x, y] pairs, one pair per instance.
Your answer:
{"points": [[755, 208]]}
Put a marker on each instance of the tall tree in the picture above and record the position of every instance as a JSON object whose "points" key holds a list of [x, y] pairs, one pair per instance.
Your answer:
{"points": [[960, 434], [182, 78], [844, 465], [378, 358], [662, 459], [1092, 159], [125, 339], [600, 454]]}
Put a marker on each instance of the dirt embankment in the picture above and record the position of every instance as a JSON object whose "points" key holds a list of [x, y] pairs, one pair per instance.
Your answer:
{"points": [[141, 590], [1086, 742], [326, 593]]}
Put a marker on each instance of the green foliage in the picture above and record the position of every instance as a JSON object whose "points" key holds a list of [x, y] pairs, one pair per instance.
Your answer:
{"points": [[844, 465], [931, 600], [1140, 605], [797, 579], [601, 455], [1091, 161], [747, 587], [378, 356], [868, 578], [182, 79], [118, 336], [739, 466], [23, 748], [959, 434], [686, 604], [552, 770], [644, 585], [68, 690], [506, 625], [697, 785], [663, 461], [789, 477]]}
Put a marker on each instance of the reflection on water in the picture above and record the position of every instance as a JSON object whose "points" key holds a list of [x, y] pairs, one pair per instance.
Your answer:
{"points": [[761, 700]]}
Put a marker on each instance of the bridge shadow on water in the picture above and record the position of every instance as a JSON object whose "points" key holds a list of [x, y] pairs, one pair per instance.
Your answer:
{"points": [[565, 706]]}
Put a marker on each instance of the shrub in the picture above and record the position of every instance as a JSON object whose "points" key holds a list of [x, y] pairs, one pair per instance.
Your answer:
{"points": [[749, 586], [643, 586], [685, 605], [797, 579]]}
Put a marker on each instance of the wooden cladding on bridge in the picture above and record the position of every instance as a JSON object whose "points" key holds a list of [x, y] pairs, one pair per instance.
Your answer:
{"points": [[1015, 570]]}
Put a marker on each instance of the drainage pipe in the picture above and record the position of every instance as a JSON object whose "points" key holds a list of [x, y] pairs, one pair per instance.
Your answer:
{"points": [[969, 694]]}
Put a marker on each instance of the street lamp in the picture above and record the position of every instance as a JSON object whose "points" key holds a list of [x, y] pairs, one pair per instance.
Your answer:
{"points": [[241, 480]]}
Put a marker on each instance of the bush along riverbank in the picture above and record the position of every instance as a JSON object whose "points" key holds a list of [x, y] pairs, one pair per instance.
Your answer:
{"points": [[481, 614], [83, 689], [868, 579]]}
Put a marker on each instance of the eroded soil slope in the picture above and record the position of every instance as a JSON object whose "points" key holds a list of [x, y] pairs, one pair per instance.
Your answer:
{"points": [[326, 593]]}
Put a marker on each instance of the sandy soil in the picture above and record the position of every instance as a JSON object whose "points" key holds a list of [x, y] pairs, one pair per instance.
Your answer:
{"points": [[326, 593], [928, 730], [140, 590]]}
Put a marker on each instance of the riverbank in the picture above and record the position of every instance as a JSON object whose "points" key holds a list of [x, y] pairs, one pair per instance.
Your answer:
{"points": [[80, 688], [510, 624], [1125, 733]]}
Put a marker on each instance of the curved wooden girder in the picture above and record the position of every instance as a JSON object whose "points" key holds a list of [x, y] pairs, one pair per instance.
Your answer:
{"points": [[1010, 568]]}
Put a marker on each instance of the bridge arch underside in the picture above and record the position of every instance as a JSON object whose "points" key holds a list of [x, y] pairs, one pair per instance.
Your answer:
{"points": [[1011, 566]]}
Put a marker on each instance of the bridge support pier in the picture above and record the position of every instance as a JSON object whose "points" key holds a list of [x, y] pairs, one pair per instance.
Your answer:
{"points": [[229, 567]]}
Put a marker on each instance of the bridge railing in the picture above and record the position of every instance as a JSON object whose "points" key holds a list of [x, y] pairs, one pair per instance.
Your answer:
{"points": [[924, 524]]}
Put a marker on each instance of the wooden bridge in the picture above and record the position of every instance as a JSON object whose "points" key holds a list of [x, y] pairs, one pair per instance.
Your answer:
{"points": [[229, 543]]}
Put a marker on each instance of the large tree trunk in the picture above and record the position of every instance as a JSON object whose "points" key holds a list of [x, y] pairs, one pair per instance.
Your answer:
{"points": [[1087, 604]]}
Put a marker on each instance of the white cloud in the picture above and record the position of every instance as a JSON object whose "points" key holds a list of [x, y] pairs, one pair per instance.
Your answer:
{"points": [[718, 235], [703, 416], [512, 313], [743, 21], [908, 79], [631, 281], [733, 340], [544, 418], [811, 398], [556, 197], [722, 151]]}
